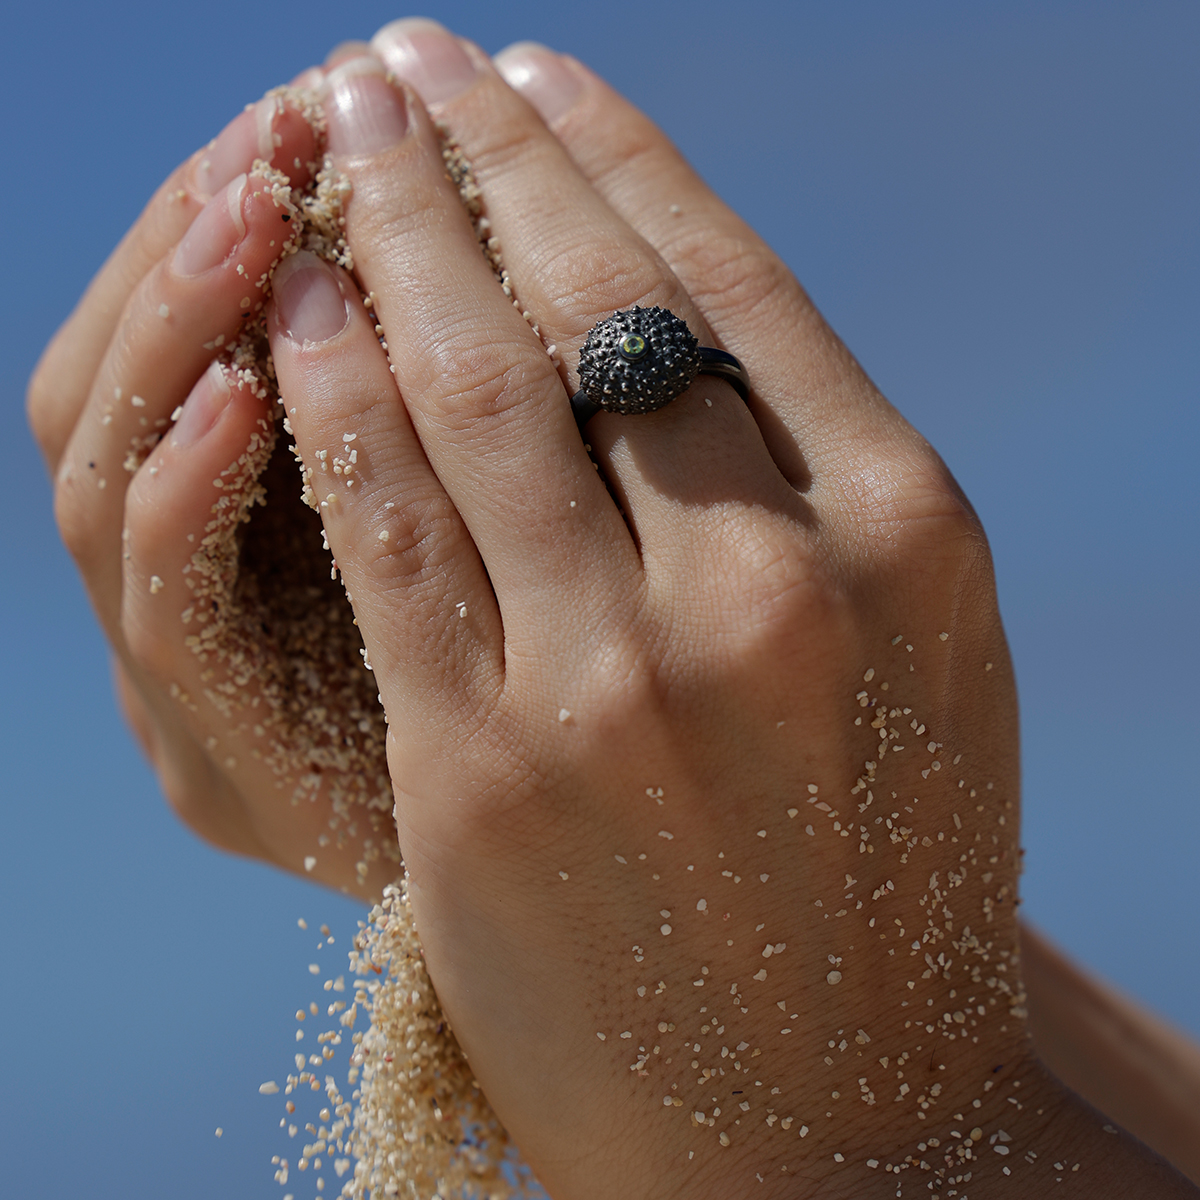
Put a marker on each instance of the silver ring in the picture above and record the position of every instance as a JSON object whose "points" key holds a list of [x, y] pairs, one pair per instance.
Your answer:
{"points": [[640, 359]]}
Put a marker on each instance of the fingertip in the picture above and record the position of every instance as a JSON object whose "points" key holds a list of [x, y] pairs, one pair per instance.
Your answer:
{"points": [[233, 151], [543, 77], [271, 130], [192, 475], [202, 408], [366, 109], [222, 407], [433, 61], [400, 29]]}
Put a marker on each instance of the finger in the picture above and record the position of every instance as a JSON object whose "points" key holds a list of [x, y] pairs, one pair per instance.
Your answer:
{"points": [[344, 52], [181, 511], [420, 593], [174, 323], [169, 505], [311, 77], [808, 391], [573, 262], [272, 130], [485, 398]]}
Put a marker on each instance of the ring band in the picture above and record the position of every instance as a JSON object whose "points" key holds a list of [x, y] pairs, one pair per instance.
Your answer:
{"points": [[640, 359]]}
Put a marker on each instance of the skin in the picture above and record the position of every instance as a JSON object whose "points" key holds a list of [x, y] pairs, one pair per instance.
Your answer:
{"points": [[713, 609]]}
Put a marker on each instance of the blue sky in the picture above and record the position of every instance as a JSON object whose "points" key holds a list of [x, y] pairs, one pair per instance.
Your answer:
{"points": [[994, 205]]}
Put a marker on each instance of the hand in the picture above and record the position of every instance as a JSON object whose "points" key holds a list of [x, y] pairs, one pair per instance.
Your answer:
{"points": [[135, 492], [705, 763]]}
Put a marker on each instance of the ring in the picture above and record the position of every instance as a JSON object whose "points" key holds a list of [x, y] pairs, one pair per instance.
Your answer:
{"points": [[640, 359]]}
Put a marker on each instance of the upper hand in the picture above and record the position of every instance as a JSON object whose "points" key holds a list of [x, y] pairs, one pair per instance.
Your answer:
{"points": [[708, 752]]}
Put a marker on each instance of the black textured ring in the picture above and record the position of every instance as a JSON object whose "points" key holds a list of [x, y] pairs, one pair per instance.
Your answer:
{"points": [[640, 359]]}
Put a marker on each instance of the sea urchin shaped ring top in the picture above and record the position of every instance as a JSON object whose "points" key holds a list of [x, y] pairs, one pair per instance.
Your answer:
{"points": [[640, 359]]}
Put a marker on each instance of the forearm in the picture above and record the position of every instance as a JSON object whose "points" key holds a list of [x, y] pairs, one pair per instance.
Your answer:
{"points": [[1117, 1056]]}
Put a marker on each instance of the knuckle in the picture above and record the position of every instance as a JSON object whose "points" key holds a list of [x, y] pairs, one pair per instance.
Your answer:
{"points": [[151, 647], [736, 277], [45, 409], [151, 516], [771, 581], [771, 568], [914, 513], [145, 646], [605, 276], [516, 145], [933, 509], [418, 550], [384, 219], [631, 147], [77, 517], [204, 802], [474, 379], [628, 689]]}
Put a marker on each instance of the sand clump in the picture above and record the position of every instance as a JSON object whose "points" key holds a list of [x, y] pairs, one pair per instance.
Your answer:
{"points": [[422, 1126], [268, 618], [417, 1124]]}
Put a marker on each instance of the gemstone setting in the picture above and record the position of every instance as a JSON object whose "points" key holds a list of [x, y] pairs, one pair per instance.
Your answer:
{"points": [[638, 360]]}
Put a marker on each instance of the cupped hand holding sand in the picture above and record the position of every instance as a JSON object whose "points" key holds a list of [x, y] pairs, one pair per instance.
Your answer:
{"points": [[705, 760], [160, 454]]}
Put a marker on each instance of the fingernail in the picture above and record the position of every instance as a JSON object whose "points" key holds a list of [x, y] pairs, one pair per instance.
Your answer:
{"points": [[309, 304], [205, 403], [214, 233], [541, 77], [365, 113], [247, 137], [426, 56], [312, 78], [344, 52]]}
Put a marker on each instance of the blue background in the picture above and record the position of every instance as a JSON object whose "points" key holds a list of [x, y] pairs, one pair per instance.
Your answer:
{"points": [[995, 206]]}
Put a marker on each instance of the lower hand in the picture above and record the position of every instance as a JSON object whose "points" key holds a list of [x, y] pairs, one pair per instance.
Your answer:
{"points": [[139, 426]]}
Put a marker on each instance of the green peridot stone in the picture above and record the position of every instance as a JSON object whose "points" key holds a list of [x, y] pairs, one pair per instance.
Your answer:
{"points": [[633, 345]]}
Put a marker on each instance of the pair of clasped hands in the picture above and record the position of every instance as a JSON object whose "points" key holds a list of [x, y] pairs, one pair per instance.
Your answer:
{"points": [[688, 603]]}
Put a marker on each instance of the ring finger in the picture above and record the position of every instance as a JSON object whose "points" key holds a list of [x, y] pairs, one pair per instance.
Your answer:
{"points": [[836, 429]]}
